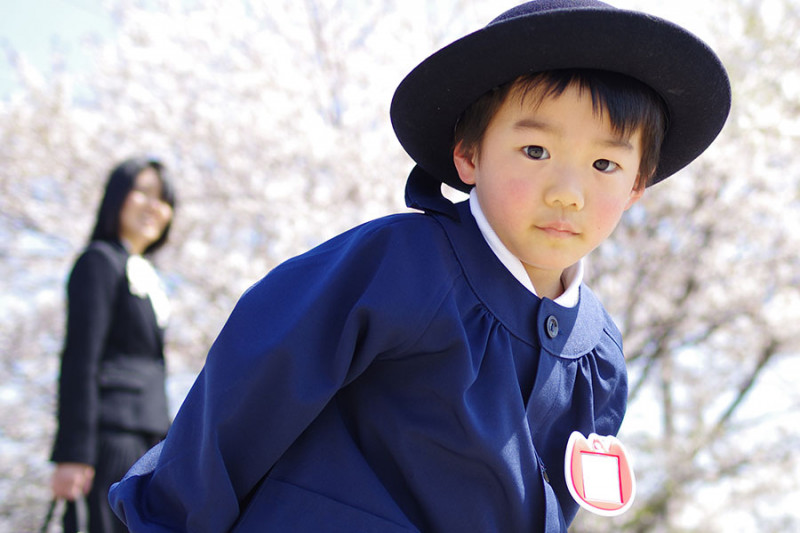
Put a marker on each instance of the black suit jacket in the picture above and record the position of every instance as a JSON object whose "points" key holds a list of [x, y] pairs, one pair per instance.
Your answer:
{"points": [[112, 364]]}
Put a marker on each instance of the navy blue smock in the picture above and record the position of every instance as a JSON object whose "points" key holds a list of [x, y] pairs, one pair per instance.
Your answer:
{"points": [[395, 378]]}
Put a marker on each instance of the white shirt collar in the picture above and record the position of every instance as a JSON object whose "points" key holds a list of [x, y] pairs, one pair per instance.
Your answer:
{"points": [[572, 277]]}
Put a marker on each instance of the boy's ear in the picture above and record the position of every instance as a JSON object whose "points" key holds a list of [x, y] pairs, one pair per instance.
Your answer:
{"points": [[636, 193], [464, 161]]}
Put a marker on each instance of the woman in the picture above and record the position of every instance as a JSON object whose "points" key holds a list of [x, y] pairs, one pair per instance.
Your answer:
{"points": [[112, 404]]}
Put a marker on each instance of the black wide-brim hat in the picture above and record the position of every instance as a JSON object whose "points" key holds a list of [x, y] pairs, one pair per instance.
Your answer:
{"points": [[564, 34]]}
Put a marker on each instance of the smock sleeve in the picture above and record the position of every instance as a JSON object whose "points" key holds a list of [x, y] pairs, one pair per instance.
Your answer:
{"points": [[294, 339], [91, 292]]}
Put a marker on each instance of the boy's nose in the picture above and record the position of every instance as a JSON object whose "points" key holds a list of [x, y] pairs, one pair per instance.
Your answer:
{"points": [[565, 190]]}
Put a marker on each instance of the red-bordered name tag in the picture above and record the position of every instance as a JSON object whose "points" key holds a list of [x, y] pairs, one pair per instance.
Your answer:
{"points": [[599, 474]]}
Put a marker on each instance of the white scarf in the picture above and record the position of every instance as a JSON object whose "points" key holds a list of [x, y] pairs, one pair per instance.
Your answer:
{"points": [[144, 282]]}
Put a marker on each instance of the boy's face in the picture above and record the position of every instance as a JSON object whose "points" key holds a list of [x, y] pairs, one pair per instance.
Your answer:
{"points": [[553, 179]]}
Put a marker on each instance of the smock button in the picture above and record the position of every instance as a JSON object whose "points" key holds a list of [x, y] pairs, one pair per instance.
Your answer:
{"points": [[551, 326]]}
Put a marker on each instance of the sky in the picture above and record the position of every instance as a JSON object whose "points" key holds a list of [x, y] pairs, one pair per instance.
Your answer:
{"points": [[35, 28]]}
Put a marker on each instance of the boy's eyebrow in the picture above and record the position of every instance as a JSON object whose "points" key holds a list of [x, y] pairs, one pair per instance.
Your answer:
{"points": [[533, 124], [617, 142]]}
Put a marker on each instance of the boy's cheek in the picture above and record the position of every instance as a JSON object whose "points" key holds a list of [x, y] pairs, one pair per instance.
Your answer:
{"points": [[608, 215]]}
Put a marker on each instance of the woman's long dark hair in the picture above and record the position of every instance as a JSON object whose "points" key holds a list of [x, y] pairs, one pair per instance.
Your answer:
{"points": [[120, 183]]}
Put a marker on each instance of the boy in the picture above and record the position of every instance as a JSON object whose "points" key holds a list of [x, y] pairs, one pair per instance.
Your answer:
{"points": [[424, 372]]}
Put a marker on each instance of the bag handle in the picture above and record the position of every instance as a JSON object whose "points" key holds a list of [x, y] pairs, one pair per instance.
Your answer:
{"points": [[49, 516], [81, 514]]}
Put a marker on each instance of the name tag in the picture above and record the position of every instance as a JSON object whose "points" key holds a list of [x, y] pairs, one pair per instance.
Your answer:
{"points": [[599, 474]]}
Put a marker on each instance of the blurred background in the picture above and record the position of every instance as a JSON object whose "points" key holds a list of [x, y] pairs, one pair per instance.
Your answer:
{"points": [[272, 116]]}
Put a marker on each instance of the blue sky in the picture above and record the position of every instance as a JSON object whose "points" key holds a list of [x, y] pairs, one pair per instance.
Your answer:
{"points": [[34, 28]]}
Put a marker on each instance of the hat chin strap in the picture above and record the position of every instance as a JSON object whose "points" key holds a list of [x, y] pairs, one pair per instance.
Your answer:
{"points": [[424, 192]]}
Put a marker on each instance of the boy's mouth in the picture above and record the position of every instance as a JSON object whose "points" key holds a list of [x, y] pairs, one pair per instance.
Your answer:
{"points": [[558, 229]]}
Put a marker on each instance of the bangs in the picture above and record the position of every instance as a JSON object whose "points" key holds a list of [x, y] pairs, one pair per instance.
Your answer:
{"points": [[631, 105]]}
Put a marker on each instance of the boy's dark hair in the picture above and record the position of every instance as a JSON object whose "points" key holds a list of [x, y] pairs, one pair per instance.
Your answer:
{"points": [[631, 106], [120, 183]]}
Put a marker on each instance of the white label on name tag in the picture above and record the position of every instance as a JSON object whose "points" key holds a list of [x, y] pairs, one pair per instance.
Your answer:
{"points": [[601, 477]]}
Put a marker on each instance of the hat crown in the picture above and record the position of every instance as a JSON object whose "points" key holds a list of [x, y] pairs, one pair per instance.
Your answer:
{"points": [[536, 7]]}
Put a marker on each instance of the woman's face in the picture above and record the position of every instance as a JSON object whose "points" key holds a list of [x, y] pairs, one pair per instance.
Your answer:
{"points": [[144, 214]]}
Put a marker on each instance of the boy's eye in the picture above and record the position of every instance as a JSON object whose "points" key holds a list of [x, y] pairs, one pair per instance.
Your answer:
{"points": [[604, 165], [536, 152]]}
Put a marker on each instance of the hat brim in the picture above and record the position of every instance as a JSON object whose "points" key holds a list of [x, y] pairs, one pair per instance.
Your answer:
{"points": [[681, 68]]}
